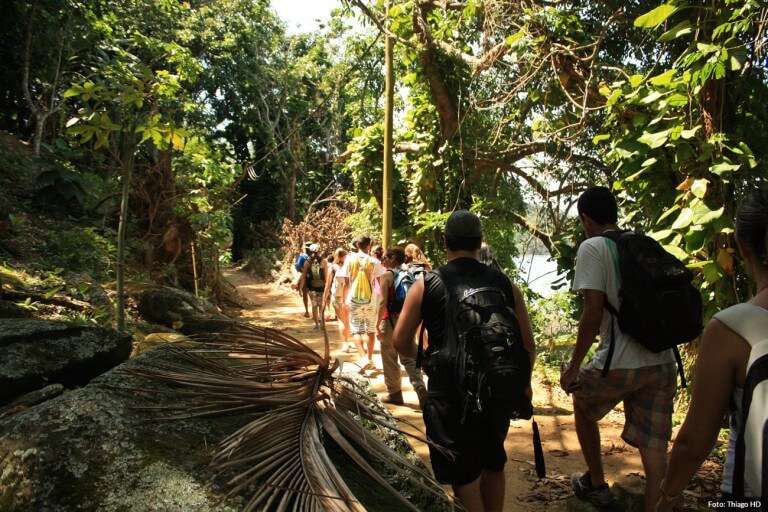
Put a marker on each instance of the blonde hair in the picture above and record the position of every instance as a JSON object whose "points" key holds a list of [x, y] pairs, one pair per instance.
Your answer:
{"points": [[414, 255]]}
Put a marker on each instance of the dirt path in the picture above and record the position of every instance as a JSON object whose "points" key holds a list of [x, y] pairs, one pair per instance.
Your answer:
{"points": [[281, 308]]}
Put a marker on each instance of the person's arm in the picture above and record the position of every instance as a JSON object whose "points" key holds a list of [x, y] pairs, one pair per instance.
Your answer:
{"points": [[722, 353], [385, 281], [329, 276], [408, 321], [524, 321], [589, 325]]}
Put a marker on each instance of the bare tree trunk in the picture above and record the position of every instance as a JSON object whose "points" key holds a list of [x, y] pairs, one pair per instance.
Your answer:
{"points": [[292, 195], [39, 111], [127, 168]]}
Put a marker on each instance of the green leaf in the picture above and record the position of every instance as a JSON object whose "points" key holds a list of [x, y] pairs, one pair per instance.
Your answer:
{"points": [[699, 188], [597, 139], [703, 215], [664, 78], [668, 213], [737, 58], [706, 49], [656, 17], [723, 167], [512, 39], [689, 134], [679, 30], [695, 241], [711, 272], [655, 140], [649, 162], [676, 251], [684, 219], [636, 80], [661, 235]]}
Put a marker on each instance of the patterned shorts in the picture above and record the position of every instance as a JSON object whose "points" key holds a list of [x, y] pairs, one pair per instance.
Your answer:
{"points": [[362, 318], [316, 298], [648, 394]]}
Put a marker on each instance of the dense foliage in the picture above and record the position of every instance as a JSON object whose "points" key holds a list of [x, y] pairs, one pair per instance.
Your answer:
{"points": [[220, 125]]}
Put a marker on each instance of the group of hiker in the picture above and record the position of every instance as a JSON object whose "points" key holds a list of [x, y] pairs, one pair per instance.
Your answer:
{"points": [[466, 326]]}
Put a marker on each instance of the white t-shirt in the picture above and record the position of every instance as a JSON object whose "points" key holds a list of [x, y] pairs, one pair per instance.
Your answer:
{"points": [[378, 270], [596, 269]]}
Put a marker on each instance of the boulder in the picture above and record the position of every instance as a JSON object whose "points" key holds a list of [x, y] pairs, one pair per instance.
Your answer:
{"points": [[179, 309], [100, 448], [35, 353]]}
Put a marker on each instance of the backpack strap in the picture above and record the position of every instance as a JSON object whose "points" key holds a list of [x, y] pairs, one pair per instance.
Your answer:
{"points": [[751, 323], [613, 236]]}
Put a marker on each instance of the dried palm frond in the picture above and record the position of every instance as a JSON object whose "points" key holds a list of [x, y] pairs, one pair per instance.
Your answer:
{"points": [[297, 398]]}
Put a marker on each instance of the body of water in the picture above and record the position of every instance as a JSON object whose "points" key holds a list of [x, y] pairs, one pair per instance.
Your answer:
{"points": [[538, 272]]}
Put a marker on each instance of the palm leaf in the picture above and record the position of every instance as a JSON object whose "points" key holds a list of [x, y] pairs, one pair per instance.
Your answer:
{"points": [[277, 460]]}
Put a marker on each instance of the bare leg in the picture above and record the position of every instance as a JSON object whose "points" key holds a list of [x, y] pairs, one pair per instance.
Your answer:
{"points": [[370, 345], [588, 433], [468, 496], [492, 490], [655, 465]]}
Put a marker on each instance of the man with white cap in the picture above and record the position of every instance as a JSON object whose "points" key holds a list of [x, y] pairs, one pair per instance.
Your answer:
{"points": [[475, 466]]}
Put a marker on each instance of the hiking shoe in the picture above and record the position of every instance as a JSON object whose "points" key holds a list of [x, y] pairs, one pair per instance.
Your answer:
{"points": [[394, 398], [584, 490]]}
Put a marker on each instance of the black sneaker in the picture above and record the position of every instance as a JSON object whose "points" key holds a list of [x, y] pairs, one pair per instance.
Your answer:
{"points": [[598, 496]]}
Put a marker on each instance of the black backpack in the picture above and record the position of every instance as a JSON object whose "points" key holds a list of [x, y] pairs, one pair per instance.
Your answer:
{"points": [[660, 308], [482, 359]]}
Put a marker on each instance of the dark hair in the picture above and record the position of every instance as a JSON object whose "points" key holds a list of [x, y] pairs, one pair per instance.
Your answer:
{"points": [[463, 243], [397, 254], [752, 223], [486, 256], [599, 204], [362, 242], [377, 250]]}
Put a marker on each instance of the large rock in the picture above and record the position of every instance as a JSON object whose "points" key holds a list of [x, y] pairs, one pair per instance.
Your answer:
{"points": [[96, 448], [179, 309], [35, 353]]}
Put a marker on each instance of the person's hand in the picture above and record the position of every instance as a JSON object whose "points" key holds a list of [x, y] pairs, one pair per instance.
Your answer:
{"points": [[529, 392], [665, 504], [568, 374]]}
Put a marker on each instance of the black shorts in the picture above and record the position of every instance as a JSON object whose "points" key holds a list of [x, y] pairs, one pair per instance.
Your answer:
{"points": [[476, 445]]}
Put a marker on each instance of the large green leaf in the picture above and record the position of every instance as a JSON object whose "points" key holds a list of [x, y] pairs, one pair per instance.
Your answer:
{"points": [[656, 17]]}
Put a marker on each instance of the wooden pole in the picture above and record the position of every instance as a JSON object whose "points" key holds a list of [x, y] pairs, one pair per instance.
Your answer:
{"points": [[386, 235], [194, 267]]}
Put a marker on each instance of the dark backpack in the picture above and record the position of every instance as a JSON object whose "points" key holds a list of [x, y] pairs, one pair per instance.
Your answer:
{"points": [[660, 308], [316, 276], [482, 360], [403, 280], [419, 270]]}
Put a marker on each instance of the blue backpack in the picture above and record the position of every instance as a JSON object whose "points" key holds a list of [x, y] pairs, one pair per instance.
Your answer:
{"points": [[402, 283], [300, 261]]}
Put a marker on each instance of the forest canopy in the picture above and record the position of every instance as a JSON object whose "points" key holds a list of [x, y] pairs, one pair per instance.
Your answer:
{"points": [[214, 122]]}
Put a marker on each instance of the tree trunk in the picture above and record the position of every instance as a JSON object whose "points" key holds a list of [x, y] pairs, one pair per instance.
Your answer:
{"points": [[291, 210], [127, 171]]}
